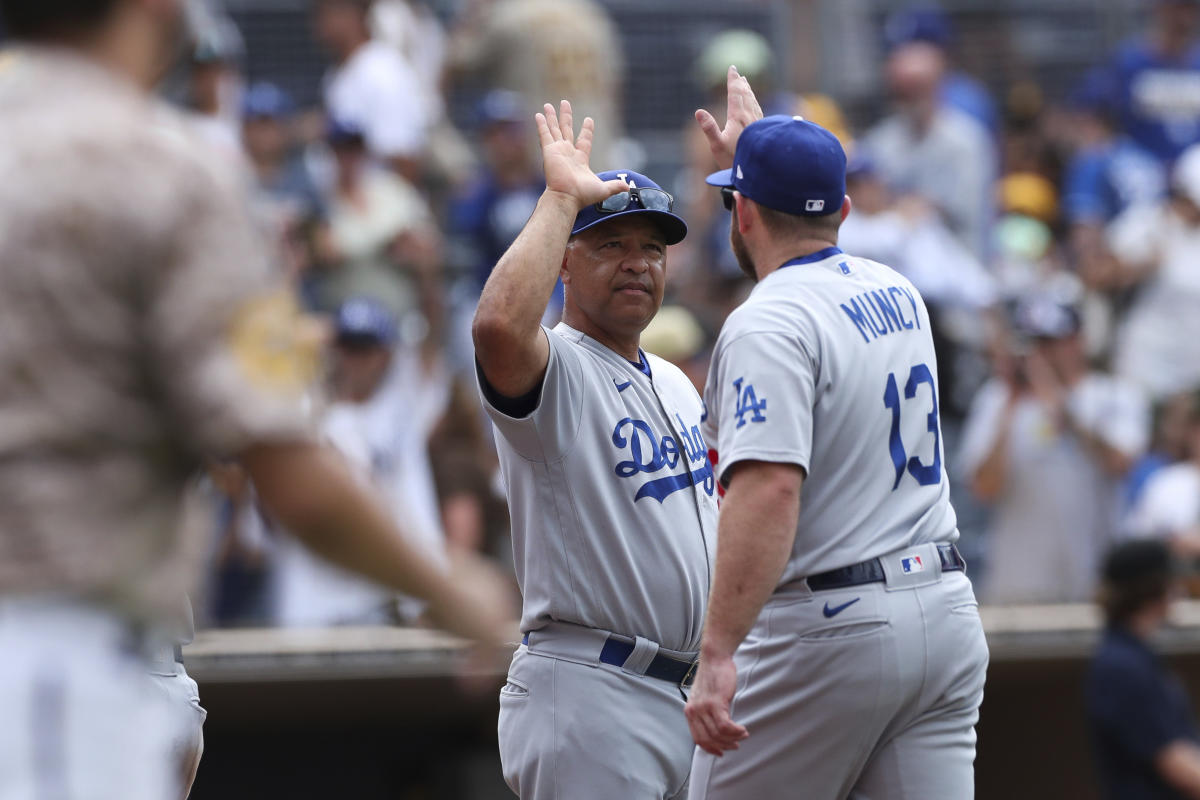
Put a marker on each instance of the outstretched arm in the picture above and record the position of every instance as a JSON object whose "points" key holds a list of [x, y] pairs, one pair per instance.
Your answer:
{"points": [[742, 108], [310, 490], [509, 343]]}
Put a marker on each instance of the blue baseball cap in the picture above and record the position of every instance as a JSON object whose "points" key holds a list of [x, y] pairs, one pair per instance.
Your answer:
{"points": [[672, 225], [925, 24], [365, 319], [788, 164], [265, 100]]}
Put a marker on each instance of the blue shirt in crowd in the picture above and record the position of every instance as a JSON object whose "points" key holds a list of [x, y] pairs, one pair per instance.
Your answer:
{"points": [[1103, 181], [1135, 708], [1157, 100]]}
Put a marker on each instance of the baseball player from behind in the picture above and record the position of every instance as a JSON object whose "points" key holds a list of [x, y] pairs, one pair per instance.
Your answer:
{"points": [[842, 635], [609, 486]]}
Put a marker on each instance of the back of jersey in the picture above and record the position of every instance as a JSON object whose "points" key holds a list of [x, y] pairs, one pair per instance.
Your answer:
{"points": [[830, 365]]}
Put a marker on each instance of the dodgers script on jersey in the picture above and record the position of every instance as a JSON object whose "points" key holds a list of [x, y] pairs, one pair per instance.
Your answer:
{"points": [[612, 496], [830, 363]]}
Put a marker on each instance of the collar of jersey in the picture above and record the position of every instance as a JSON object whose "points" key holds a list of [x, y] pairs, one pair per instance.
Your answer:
{"points": [[812, 258], [566, 331]]}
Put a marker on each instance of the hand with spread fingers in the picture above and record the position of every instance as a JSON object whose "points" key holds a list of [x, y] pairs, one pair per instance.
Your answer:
{"points": [[742, 108], [565, 158], [708, 707]]}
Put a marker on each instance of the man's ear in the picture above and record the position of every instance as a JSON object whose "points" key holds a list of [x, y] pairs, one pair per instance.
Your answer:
{"points": [[563, 272], [845, 207]]}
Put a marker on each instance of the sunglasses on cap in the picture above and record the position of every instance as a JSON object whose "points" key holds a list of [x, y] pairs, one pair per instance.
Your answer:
{"points": [[648, 198]]}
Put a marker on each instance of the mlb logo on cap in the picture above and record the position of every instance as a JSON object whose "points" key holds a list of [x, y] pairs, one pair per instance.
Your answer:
{"points": [[910, 564]]}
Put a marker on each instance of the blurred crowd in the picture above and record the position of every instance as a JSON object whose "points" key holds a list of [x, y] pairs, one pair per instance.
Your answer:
{"points": [[1056, 241]]}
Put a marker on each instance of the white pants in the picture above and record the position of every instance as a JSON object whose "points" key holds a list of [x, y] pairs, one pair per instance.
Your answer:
{"points": [[869, 692], [80, 720], [583, 730], [168, 677]]}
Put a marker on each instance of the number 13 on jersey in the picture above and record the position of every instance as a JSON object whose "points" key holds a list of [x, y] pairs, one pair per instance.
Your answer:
{"points": [[925, 474]]}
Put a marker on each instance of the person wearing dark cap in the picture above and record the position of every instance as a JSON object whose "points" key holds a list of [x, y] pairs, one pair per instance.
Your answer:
{"points": [[388, 397], [842, 655], [285, 194], [609, 486], [490, 211], [1144, 734], [1045, 444]]}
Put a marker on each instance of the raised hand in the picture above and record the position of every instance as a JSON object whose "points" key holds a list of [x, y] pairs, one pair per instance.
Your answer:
{"points": [[742, 108], [565, 158]]}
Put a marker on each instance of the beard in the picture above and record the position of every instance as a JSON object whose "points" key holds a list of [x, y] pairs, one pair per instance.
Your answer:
{"points": [[740, 251]]}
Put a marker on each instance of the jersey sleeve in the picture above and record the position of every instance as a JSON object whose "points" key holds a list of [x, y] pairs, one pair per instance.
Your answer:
{"points": [[761, 391], [225, 345], [547, 431]]}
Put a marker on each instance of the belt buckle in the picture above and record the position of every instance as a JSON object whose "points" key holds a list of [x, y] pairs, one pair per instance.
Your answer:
{"points": [[688, 677]]}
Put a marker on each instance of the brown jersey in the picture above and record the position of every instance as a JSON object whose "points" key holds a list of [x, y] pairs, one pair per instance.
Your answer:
{"points": [[139, 333]]}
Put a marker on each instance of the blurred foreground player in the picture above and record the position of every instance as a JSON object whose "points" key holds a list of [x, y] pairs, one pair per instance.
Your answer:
{"points": [[140, 336], [1145, 737]]}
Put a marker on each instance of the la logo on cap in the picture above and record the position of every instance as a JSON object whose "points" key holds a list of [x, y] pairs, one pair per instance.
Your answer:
{"points": [[814, 205], [740, 176]]}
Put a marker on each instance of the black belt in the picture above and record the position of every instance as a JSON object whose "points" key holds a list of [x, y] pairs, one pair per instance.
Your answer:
{"points": [[872, 571], [663, 667]]}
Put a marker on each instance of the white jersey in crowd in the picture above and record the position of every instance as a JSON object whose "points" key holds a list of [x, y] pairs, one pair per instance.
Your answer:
{"points": [[386, 439], [829, 364], [612, 496], [377, 91]]}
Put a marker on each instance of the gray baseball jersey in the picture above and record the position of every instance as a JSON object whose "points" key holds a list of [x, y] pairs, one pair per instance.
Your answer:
{"points": [[830, 365], [864, 689], [611, 494]]}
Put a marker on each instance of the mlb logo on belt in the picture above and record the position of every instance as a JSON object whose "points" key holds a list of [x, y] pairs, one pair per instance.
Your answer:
{"points": [[911, 564]]}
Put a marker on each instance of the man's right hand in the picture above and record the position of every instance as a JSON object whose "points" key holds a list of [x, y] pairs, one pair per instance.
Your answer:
{"points": [[565, 159], [742, 108]]}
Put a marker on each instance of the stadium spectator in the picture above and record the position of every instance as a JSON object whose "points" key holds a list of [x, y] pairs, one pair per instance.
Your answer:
{"points": [[1045, 442], [1169, 507], [1109, 171], [1156, 77], [1169, 444], [214, 85], [373, 88], [1158, 248], [488, 213], [284, 194], [389, 395], [377, 220], [1107, 174], [1144, 735], [933, 151], [958, 89]]}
